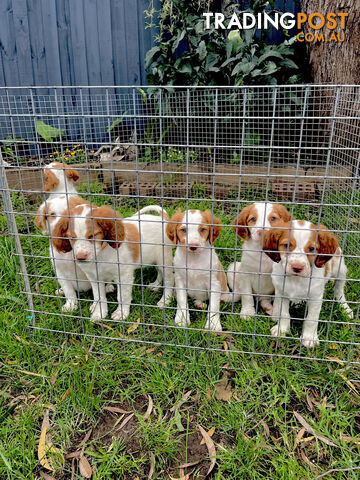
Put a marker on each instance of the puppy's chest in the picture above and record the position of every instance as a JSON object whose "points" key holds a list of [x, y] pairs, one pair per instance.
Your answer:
{"points": [[296, 287], [196, 270], [257, 260]]}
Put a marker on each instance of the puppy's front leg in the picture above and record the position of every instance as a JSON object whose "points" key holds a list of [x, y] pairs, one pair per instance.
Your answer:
{"points": [[245, 289], [182, 312], [281, 315], [309, 337], [213, 321], [98, 308], [124, 293]]}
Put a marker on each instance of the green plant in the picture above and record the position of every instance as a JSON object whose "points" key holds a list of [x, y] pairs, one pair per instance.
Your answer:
{"points": [[75, 154], [188, 54], [8, 146], [48, 132]]}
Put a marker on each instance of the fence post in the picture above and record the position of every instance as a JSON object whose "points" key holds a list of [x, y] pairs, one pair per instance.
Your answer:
{"points": [[13, 230]]}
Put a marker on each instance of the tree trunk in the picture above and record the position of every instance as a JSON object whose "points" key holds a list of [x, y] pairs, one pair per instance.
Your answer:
{"points": [[335, 62]]}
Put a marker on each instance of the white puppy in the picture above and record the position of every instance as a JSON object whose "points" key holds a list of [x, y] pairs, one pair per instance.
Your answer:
{"points": [[198, 271], [60, 179], [306, 257], [253, 273], [109, 249]]}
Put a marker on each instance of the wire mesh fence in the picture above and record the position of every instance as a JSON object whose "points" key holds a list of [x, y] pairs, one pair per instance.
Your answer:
{"points": [[238, 182]]}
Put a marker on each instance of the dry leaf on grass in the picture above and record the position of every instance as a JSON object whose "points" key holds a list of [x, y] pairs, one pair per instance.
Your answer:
{"points": [[76, 454], [86, 438], [345, 438], [210, 433], [304, 457], [310, 430], [26, 372], [66, 393], [133, 327], [351, 385], [103, 325], [337, 360], [266, 427], [299, 435], [46, 476], [125, 421], [116, 410], [85, 467], [223, 390], [211, 449], [184, 477], [181, 401], [49, 457], [152, 465], [149, 409]]}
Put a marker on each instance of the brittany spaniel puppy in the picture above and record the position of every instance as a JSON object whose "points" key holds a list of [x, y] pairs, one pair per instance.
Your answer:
{"points": [[198, 271], [60, 179], [70, 277], [305, 258], [109, 249], [253, 273]]}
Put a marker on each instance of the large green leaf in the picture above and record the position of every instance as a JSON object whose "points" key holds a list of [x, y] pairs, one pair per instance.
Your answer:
{"points": [[201, 50], [151, 54], [47, 132]]}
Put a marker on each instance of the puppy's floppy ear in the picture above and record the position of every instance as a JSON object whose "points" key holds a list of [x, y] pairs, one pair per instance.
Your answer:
{"points": [[111, 224], [50, 180], [328, 244], [171, 228], [271, 244], [71, 174], [240, 225], [284, 214], [60, 235], [214, 224]]}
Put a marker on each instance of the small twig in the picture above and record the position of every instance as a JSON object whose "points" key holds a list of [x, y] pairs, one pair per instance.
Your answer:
{"points": [[333, 470]]}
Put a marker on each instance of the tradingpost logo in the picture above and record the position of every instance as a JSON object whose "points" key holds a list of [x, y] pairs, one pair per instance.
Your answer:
{"points": [[319, 27]]}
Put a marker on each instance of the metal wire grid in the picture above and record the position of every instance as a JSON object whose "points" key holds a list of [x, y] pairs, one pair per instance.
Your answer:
{"points": [[190, 147]]}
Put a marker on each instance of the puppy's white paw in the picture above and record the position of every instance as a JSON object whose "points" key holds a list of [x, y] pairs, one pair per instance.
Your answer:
{"points": [[109, 288], [267, 307], [121, 313], [213, 323], [59, 292], [247, 312], [92, 307], [310, 342], [70, 305], [164, 301], [348, 310], [154, 286], [98, 311], [182, 318], [278, 331]]}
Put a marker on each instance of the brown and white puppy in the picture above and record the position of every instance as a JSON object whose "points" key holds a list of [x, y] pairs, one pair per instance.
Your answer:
{"points": [[60, 179], [70, 277], [305, 258], [253, 274], [108, 249], [198, 271]]}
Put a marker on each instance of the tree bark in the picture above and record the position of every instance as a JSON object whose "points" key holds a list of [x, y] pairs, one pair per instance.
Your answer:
{"points": [[335, 62]]}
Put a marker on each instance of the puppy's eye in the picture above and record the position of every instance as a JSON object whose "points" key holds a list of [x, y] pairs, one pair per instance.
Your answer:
{"points": [[311, 249], [272, 219], [183, 230], [252, 219], [202, 230], [285, 245]]}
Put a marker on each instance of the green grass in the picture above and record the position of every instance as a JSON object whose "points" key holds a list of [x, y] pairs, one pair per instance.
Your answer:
{"points": [[255, 432]]}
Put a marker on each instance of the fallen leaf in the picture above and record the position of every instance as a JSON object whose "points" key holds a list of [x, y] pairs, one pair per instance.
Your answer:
{"points": [[21, 340], [353, 220], [211, 448], [299, 435], [333, 346], [309, 402], [337, 360], [152, 465], [65, 395], [85, 467], [76, 454], [186, 477], [210, 433], [226, 346], [307, 439], [208, 394], [86, 438], [181, 401], [133, 327], [310, 430], [223, 389], [149, 409], [236, 397], [103, 325], [49, 457], [26, 372], [304, 457], [187, 465], [150, 350], [116, 410], [266, 427], [46, 476], [351, 385], [125, 421], [345, 438]]}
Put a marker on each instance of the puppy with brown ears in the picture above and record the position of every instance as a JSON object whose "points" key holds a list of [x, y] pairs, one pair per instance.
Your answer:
{"points": [[305, 258], [107, 248], [60, 179], [252, 276], [198, 271]]}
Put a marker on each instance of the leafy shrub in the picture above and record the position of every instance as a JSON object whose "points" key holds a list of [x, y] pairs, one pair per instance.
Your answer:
{"points": [[187, 54]]}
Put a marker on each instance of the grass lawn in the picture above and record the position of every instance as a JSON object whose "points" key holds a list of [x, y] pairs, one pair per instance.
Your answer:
{"points": [[270, 417]]}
